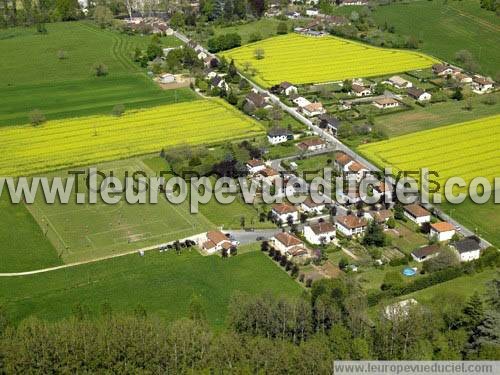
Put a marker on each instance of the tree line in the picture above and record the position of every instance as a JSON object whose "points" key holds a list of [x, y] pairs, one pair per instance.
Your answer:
{"points": [[264, 334]]}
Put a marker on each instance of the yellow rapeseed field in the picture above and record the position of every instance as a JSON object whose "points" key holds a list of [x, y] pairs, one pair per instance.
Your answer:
{"points": [[302, 59], [469, 149], [58, 144]]}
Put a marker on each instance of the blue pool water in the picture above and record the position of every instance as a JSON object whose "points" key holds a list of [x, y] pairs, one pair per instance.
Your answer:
{"points": [[409, 272]]}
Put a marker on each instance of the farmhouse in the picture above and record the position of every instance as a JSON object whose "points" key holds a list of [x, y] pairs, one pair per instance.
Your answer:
{"points": [[279, 135], [342, 160], [442, 231], [257, 100], [215, 241], [350, 225], [283, 211], [313, 109], [289, 245], [360, 90], [442, 69], [320, 233], [329, 124], [480, 84], [301, 102], [417, 214], [312, 144], [202, 55], [399, 82], [285, 88], [385, 103], [219, 82], [267, 174], [311, 206], [425, 253], [255, 165], [468, 249], [418, 94], [380, 217]]}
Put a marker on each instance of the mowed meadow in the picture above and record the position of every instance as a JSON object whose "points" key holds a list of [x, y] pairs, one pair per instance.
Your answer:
{"points": [[302, 59], [59, 144], [465, 150], [54, 72]]}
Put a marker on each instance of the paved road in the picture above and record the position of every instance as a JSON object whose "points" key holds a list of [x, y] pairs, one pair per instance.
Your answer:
{"points": [[335, 142]]}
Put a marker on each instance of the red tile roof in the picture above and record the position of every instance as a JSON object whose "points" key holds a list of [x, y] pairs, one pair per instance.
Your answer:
{"points": [[288, 239], [442, 226], [352, 222], [416, 210], [284, 208]]}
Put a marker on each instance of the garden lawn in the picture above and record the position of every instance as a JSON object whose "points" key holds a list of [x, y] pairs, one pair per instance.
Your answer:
{"points": [[163, 283], [23, 245], [300, 59], [60, 144], [35, 77], [446, 27]]}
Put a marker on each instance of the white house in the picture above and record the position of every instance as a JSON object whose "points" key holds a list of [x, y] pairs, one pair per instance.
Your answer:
{"points": [[289, 245], [287, 88], [425, 253], [279, 135], [319, 233], [166, 78], [442, 231], [311, 206], [267, 175], [385, 103], [360, 90], [442, 70], [301, 102], [329, 123], [418, 94], [255, 165], [350, 225], [468, 249], [202, 55], [215, 241], [313, 109], [399, 82], [219, 82], [480, 85], [313, 144], [312, 12], [417, 214], [283, 211]]}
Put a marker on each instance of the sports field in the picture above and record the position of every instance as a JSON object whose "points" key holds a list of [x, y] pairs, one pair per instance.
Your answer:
{"points": [[301, 59], [60, 144], [466, 150], [82, 232], [162, 283], [35, 77], [446, 27]]}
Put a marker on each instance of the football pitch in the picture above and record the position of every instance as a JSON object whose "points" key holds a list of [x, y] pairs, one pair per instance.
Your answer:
{"points": [[86, 231]]}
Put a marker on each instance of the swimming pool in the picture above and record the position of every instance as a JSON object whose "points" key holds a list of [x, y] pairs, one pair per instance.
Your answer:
{"points": [[409, 271]]}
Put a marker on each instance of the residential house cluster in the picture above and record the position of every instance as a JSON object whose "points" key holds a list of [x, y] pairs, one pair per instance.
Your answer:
{"points": [[479, 84]]}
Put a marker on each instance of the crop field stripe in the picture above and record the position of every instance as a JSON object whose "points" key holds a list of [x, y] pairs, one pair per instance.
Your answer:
{"points": [[301, 59], [449, 150], [64, 143]]}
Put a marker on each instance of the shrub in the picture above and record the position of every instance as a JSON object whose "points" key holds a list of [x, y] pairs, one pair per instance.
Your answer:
{"points": [[118, 110], [100, 70], [36, 117]]}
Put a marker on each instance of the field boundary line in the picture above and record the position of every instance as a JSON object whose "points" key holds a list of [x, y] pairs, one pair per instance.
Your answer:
{"points": [[107, 257]]}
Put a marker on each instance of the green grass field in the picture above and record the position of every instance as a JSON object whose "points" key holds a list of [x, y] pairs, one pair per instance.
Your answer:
{"points": [[301, 59], [163, 283], [83, 232], [435, 115], [23, 245], [33, 77], [446, 27], [483, 219], [265, 27]]}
